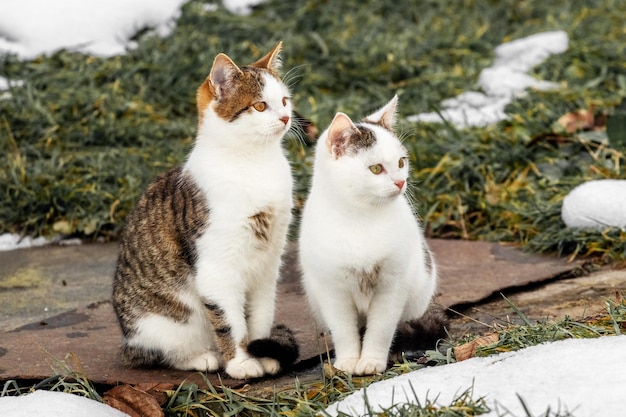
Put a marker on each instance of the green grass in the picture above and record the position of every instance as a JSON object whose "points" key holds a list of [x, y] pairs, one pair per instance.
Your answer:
{"points": [[82, 136]]}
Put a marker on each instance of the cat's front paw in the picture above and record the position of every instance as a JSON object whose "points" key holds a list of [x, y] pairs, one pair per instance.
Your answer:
{"points": [[347, 365], [369, 366], [270, 366], [244, 368]]}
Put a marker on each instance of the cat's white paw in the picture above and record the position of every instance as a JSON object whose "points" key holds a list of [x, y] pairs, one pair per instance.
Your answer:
{"points": [[369, 366], [347, 365], [208, 361], [270, 366], [244, 368]]}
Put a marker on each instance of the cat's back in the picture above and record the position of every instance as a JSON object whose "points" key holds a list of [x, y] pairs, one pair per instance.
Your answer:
{"points": [[157, 245]]}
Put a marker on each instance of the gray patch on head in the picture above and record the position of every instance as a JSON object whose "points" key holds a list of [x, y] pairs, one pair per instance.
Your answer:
{"points": [[360, 140]]}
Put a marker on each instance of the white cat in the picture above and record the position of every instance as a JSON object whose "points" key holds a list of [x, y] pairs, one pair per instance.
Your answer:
{"points": [[364, 260]]}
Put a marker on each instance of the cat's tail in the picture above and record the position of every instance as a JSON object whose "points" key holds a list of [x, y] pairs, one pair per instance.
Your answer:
{"points": [[281, 346], [421, 334]]}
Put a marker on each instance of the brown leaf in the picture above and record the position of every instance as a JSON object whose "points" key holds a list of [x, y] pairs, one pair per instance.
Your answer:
{"points": [[577, 120], [468, 350], [133, 401], [157, 389]]}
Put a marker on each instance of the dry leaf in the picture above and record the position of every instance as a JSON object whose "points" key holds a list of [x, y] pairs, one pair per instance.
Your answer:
{"points": [[468, 350], [577, 120], [134, 401]]}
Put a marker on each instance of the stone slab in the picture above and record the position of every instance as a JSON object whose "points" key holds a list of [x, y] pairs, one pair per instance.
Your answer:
{"points": [[577, 298], [77, 280], [41, 282], [470, 272]]}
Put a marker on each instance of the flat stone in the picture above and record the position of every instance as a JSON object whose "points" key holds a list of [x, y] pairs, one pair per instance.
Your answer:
{"points": [[41, 282], [58, 315], [577, 298], [470, 272]]}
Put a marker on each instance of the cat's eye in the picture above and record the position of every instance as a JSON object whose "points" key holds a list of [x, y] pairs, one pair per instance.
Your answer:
{"points": [[285, 101], [401, 163], [260, 106], [376, 169]]}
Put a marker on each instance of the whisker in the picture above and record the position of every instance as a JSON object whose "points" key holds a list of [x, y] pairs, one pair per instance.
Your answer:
{"points": [[293, 76]]}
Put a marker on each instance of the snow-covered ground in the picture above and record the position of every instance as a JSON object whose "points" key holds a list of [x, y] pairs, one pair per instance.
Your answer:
{"points": [[586, 377], [55, 404]]}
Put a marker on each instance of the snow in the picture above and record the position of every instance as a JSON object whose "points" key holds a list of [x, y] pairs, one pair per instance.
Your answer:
{"points": [[596, 204], [33, 27], [243, 7], [55, 404], [9, 241], [583, 376], [501, 83]]}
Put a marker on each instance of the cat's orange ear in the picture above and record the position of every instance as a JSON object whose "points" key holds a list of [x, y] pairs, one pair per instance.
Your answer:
{"points": [[271, 61], [222, 74], [339, 133], [386, 116]]}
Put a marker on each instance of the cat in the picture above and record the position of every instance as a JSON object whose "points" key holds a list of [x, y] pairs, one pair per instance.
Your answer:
{"points": [[365, 264], [195, 281]]}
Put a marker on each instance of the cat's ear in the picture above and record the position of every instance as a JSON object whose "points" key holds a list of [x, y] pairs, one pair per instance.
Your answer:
{"points": [[223, 74], [386, 116], [271, 61], [339, 133]]}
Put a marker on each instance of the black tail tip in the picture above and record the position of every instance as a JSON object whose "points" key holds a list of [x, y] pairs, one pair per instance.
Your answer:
{"points": [[281, 345]]}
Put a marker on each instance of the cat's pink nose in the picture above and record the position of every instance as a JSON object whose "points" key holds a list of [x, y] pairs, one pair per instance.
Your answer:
{"points": [[284, 119], [399, 183]]}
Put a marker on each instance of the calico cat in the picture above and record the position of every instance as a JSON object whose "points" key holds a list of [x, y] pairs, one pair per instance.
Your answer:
{"points": [[196, 277], [366, 267]]}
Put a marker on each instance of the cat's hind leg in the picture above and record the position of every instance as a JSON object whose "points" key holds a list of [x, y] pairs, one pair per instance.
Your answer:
{"points": [[184, 346]]}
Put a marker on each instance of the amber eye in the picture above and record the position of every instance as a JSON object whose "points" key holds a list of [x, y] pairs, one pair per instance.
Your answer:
{"points": [[376, 169], [285, 101], [260, 106], [401, 163]]}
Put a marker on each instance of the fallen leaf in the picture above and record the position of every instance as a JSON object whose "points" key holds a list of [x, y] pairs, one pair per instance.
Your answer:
{"points": [[577, 120], [133, 401], [468, 350]]}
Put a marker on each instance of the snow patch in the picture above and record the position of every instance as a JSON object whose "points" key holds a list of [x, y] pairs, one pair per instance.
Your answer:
{"points": [[9, 241], [242, 7], [596, 205], [29, 28], [55, 404], [502, 82], [583, 376]]}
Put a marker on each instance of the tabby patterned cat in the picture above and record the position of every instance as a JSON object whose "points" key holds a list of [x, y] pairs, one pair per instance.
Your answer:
{"points": [[366, 268], [196, 277]]}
